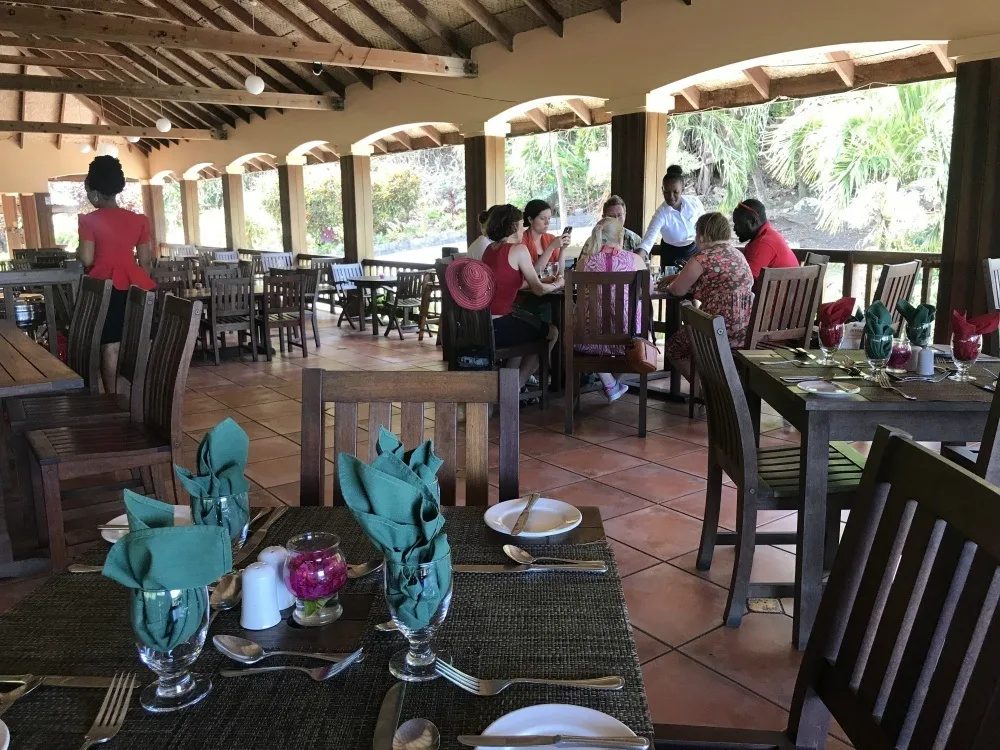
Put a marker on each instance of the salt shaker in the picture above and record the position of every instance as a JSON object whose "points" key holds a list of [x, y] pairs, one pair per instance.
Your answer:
{"points": [[275, 557], [926, 364], [913, 365], [260, 598]]}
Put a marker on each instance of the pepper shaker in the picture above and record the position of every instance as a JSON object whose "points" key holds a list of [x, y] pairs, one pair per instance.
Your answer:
{"points": [[926, 364], [914, 363], [260, 599]]}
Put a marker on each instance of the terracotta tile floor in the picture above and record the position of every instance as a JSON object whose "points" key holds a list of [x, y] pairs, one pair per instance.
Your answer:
{"points": [[651, 496]]}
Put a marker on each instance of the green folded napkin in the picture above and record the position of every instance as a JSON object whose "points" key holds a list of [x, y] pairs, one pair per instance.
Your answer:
{"points": [[222, 462], [879, 331], [918, 320], [156, 556], [395, 500]]}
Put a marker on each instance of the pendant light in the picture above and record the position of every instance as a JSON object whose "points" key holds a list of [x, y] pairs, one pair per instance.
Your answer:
{"points": [[84, 148], [162, 123], [254, 83]]}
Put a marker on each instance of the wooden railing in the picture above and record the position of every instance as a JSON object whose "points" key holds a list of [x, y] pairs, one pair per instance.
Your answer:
{"points": [[392, 267], [858, 272]]}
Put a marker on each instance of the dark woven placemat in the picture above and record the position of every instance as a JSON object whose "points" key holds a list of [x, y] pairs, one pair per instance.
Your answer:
{"points": [[550, 625]]}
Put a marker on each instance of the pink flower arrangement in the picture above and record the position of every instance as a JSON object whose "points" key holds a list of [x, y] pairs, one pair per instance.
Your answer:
{"points": [[315, 575]]}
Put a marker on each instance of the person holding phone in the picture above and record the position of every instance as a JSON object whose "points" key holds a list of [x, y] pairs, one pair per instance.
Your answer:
{"points": [[543, 247]]}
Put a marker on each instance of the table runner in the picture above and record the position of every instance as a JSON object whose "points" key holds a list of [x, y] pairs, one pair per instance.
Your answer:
{"points": [[551, 625]]}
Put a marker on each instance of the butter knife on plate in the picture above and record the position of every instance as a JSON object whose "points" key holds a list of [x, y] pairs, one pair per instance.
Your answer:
{"points": [[522, 518], [555, 740], [388, 717], [597, 566]]}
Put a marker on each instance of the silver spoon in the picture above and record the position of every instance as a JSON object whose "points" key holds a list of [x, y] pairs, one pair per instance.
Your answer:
{"points": [[225, 596], [417, 734], [246, 651], [318, 674], [519, 555], [359, 571]]}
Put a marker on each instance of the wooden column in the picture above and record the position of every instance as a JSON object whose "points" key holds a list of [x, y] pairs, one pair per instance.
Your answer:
{"points": [[356, 187], [485, 184], [972, 213], [232, 206], [46, 230], [152, 206], [12, 224], [638, 162], [292, 200], [29, 221], [189, 212]]}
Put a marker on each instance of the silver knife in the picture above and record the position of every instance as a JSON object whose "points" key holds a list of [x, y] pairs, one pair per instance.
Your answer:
{"points": [[388, 717], [258, 536], [555, 740], [63, 681], [597, 566], [522, 518]]}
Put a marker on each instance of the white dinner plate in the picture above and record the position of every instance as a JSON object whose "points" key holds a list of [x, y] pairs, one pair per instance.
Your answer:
{"points": [[547, 517], [182, 517], [4, 736], [557, 718], [827, 388]]}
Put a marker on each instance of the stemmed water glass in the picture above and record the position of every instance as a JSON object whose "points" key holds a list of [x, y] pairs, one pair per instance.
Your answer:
{"points": [[878, 350], [831, 336], [405, 586], [176, 687], [964, 353]]}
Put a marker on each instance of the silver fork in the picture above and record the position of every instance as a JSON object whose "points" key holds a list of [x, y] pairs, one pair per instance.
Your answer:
{"points": [[478, 686], [112, 714], [319, 674], [883, 382], [7, 699]]}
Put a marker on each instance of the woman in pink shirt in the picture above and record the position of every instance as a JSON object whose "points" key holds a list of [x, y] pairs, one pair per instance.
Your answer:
{"points": [[110, 238]]}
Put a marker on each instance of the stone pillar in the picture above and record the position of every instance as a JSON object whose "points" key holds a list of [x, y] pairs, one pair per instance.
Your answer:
{"points": [[292, 200], [232, 207], [485, 179], [189, 212], [971, 228], [638, 162], [356, 188], [152, 206], [15, 238], [29, 221]]}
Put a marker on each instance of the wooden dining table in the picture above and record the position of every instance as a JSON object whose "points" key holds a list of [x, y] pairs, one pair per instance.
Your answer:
{"points": [[26, 369], [368, 284], [947, 411]]}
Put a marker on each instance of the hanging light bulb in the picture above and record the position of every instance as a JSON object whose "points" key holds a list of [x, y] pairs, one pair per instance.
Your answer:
{"points": [[103, 149], [84, 148], [132, 138], [254, 84], [163, 125], [111, 150]]}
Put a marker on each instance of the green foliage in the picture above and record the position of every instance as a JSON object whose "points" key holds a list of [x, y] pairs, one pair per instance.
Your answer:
{"points": [[324, 210], [394, 200]]}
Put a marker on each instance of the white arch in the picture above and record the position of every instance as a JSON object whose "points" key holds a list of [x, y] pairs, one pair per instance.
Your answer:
{"points": [[192, 172], [239, 161], [497, 121], [305, 147], [161, 177], [379, 134]]}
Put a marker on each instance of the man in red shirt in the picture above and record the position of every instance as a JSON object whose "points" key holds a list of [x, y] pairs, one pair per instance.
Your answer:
{"points": [[765, 248]]}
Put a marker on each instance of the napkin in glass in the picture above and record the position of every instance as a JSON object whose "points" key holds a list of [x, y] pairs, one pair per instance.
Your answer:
{"points": [[977, 326], [221, 464], [879, 331], [836, 313], [918, 320], [157, 556], [395, 501]]}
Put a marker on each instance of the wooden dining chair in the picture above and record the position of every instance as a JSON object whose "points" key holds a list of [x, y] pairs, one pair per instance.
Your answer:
{"points": [[231, 310], [447, 391], [150, 441], [349, 297], [983, 461], [283, 308], [430, 297], [404, 300], [904, 653], [896, 283], [275, 260], [311, 279], [213, 273], [599, 316], [765, 478], [225, 256], [815, 259], [991, 278]]}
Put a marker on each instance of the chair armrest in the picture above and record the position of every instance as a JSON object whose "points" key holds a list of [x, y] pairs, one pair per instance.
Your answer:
{"points": [[689, 737]]}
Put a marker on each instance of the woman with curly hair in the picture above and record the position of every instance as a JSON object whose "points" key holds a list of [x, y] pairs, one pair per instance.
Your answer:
{"points": [[110, 238]]}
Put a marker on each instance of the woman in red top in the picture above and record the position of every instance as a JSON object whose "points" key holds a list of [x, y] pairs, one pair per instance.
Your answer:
{"points": [[108, 237], [544, 248], [514, 271]]}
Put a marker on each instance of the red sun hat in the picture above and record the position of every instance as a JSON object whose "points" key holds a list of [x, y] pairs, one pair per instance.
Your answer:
{"points": [[471, 283]]}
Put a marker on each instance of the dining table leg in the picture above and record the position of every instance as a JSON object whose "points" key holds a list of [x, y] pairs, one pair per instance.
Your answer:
{"points": [[373, 299], [811, 525], [364, 304]]}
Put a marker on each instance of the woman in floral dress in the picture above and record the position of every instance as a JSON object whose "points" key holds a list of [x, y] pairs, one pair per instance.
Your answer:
{"points": [[720, 280]]}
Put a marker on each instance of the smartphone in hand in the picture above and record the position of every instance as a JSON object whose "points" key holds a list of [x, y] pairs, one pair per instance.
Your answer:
{"points": [[567, 231]]}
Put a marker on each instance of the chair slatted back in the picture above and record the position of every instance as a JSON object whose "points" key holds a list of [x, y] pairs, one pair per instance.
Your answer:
{"points": [[214, 273], [477, 391], [906, 648], [226, 256], [730, 428], [988, 458], [896, 283], [310, 278], [133, 354], [276, 260], [464, 330], [284, 292], [410, 285], [602, 315], [167, 369], [786, 301], [816, 259], [83, 346], [344, 271], [991, 277], [232, 297], [186, 273]]}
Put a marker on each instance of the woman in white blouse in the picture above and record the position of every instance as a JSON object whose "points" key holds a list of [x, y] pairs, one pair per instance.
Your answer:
{"points": [[674, 220]]}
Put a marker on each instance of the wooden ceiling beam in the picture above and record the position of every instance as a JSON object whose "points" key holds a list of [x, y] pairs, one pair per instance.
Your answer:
{"points": [[19, 138], [62, 117], [61, 63], [759, 80], [158, 34], [401, 137], [108, 131], [57, 46], [489, 22], [549, 16], [581, 110], [202, 94], [431, 132], [539, 118], [614, 9], [844, 66], [941, 53], [693, 96], [448, 36], [387, 26], [116, 7]]}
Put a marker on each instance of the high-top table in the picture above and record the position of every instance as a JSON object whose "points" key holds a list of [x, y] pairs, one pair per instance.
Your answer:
{"points": [[26, 369], [557, 625]]}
